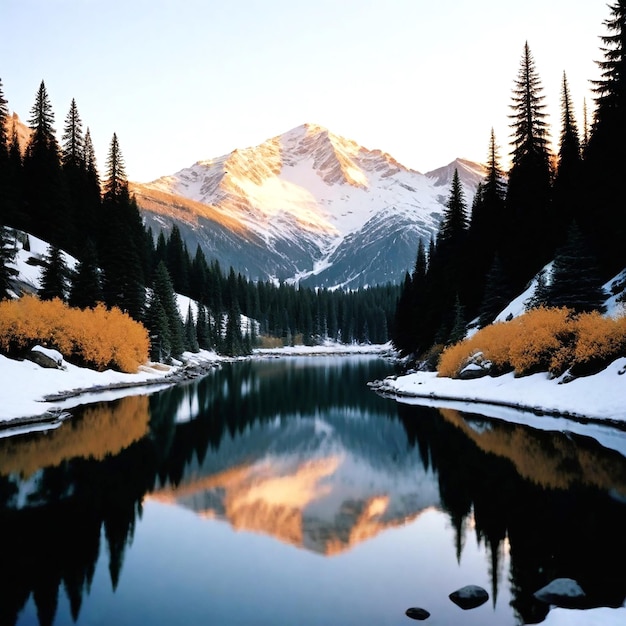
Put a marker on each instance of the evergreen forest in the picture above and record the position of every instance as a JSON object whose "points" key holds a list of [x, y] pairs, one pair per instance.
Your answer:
{"points": [[566, 209], [53, 190]]}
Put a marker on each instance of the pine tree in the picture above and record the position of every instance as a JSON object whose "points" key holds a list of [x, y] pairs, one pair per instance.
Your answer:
{"points": [[54, 275], [86, 284], [5, 172], [157, 323], [191, 337], [606, 150], [486, 231], [203, 330], [527, 246], [44, 187], [121, 240], [567, 199], [497, 293], [540, 297], [7, 272], [116, 184], [576, 282], [163, 289]]}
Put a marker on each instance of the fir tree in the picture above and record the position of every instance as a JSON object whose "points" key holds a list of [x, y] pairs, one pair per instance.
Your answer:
{"points": [[5, 173], [497, 293], [203, 329], [163, 289], [526, 247], [86, 284], [44, 188], [54, 275], [157, 323], [605, 154], [7, 272], [539, 296], [567, 200], [576, 282], [191, 337], [486, 231], [121, 240]]}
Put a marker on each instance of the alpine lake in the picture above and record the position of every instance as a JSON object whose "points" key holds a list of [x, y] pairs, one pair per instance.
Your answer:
{"points": [[284, 491]]}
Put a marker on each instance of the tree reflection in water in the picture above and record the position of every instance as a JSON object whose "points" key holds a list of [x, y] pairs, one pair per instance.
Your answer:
{"points": [[555, 502]]}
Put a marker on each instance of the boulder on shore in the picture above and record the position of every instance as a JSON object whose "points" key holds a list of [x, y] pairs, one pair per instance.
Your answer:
{"points": [[45, 357], [563, 592]]}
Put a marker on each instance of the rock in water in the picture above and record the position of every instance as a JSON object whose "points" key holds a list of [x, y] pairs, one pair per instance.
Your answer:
{"points": [[563, 592], [417, 613], [469, 597]]}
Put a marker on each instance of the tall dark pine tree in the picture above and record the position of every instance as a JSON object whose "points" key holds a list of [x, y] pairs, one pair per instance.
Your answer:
{"points": [[121, 240], [13, 209], [86, 285], [75, 171], [527, 246], [567, 197], [54, 275], [44, 188], [163, 295], [447, 271], [576, 282], [7, 272], [486, 231], [5, 175], [605, 154]]}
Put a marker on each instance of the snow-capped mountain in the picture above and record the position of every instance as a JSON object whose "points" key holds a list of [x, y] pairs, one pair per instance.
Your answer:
{"points": [[307, 205]]}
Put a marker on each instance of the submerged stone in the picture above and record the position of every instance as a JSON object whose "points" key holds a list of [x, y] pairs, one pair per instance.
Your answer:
{"points": [[417, 613], [469, 597]]}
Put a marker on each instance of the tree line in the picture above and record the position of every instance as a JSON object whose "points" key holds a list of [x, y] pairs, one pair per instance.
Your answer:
{"points": [[569, 208], [54, 191]]}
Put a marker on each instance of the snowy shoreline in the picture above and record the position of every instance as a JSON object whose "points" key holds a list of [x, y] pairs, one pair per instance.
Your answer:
{"points": [[38, 398]]}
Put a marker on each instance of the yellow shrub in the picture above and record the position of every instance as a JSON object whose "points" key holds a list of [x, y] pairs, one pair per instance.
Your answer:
{"points": [[542, 339], [598, 339], [98, 337]]}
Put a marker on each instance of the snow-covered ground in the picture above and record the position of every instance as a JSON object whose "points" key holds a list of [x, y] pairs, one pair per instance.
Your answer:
{"points": [[25, 385]]}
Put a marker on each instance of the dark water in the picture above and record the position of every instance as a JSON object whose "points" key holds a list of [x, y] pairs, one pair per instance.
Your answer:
{"points": [[286, 492]]}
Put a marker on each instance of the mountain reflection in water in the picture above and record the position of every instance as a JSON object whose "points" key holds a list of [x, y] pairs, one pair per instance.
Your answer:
{"points": [[302, 451]]}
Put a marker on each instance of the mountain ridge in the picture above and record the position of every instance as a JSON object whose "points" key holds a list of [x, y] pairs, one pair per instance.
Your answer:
{"points": [[306, 205]]}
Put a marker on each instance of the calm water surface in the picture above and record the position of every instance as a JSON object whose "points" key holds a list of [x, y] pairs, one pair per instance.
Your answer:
{"points": [[285, 492]]}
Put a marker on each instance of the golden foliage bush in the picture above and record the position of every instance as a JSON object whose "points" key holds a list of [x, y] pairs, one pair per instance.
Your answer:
{"points": [[100, 338], [543, 339]]}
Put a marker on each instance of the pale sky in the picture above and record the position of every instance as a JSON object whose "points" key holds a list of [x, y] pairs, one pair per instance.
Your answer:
{"points": [[185, 80]]}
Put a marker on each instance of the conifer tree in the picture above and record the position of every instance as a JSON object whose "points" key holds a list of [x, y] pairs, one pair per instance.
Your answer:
{"points": [[157, 323], [163, 289], [605, 154], [44, 188], [13, 209], [540, 297], [86, 284], [528, 246], [576, 282], [497, 293], [203, 330], [7, 272], [486, 231], [121, 241], [567, 199], [5, 174], [191, 337], [54, 275]]}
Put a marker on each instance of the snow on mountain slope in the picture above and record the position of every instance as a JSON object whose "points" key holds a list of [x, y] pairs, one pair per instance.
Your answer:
{"points": [[304, 204]]}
